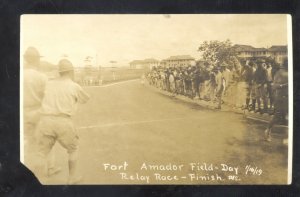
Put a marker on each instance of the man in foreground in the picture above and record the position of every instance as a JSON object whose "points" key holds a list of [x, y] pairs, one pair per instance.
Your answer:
{"points": [[33, 87], [59, 105]]}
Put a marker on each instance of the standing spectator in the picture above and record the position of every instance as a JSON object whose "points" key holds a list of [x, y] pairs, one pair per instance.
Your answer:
{"points": [[269, 84], [281, 98], [212, 85], [219, 80], [226, 76], [190, 82], [177, 83], [248, 77], [242, 86], [204, 82], [228, 93], [174, 72], [260, 79], [253, 87], [164, 79], [167, 75], [196, 82], [172, 83], [181, 83], [187, 83]]}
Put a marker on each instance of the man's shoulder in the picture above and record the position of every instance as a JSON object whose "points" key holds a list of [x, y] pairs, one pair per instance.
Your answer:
{"points": [[31, 71], [35, 73], [69, 84], [74, 85]]}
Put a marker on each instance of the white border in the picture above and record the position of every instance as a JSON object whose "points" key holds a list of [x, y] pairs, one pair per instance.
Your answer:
{"points": [[291, 96], [21, 95], [290, 88]]}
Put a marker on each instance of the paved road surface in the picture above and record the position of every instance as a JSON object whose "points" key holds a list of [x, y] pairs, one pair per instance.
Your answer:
{"points": [[129, 122]]}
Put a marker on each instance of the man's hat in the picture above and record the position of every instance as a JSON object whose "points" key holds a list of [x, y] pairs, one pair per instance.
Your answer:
{"points": [[209, 68], [216, 68], [261, 61], [223, 64], [65, 65], [32, 52]]}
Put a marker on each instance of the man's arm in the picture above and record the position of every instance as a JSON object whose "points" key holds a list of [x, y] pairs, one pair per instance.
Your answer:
{"points": [[82, 96], [42, 85]]}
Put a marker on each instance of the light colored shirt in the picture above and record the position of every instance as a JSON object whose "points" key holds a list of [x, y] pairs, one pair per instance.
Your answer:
{"points": [[171, 78], [33, 88], [219, 81], [269, 74], [227, 76], [62, 97], [281, 78]]}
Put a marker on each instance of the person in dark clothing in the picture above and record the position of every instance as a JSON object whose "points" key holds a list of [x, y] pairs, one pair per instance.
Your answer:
{"points": [[247, 75], [252, 88], [188, 83], [167, 75], [270, 84], [203, 78], [280, 88], [260, 79], [212, 84], [196, 82], [180, 83]]}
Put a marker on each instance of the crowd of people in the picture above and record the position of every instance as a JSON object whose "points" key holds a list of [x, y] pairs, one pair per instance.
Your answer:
{"points": [[258, 85]]}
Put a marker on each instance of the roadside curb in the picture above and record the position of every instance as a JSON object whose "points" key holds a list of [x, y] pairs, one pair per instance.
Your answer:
{"points": [[265, 118]]}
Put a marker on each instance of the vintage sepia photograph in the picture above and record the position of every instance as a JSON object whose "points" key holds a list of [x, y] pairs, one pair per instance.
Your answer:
{"points": [[157, 99]]}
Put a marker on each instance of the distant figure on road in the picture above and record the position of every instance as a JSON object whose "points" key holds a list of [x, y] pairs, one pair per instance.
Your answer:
{"points": [[59, 105], [280, 98], [143, 78]]}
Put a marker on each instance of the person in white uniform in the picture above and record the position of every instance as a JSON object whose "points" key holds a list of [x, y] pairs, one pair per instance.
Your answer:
{"points": [[62, 96]]}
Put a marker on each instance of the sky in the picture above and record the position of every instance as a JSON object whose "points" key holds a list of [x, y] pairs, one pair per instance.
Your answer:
{"points": [[123, 38]]}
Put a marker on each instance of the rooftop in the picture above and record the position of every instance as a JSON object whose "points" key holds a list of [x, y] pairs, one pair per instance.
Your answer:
{"points": [[149, 60], [136, 62], [240, 47], [180, 57], [278, 48]]}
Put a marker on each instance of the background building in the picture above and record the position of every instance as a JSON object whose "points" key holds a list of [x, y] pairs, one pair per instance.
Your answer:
{"points": [[144, 64], [178, 60], [278, 53]]}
